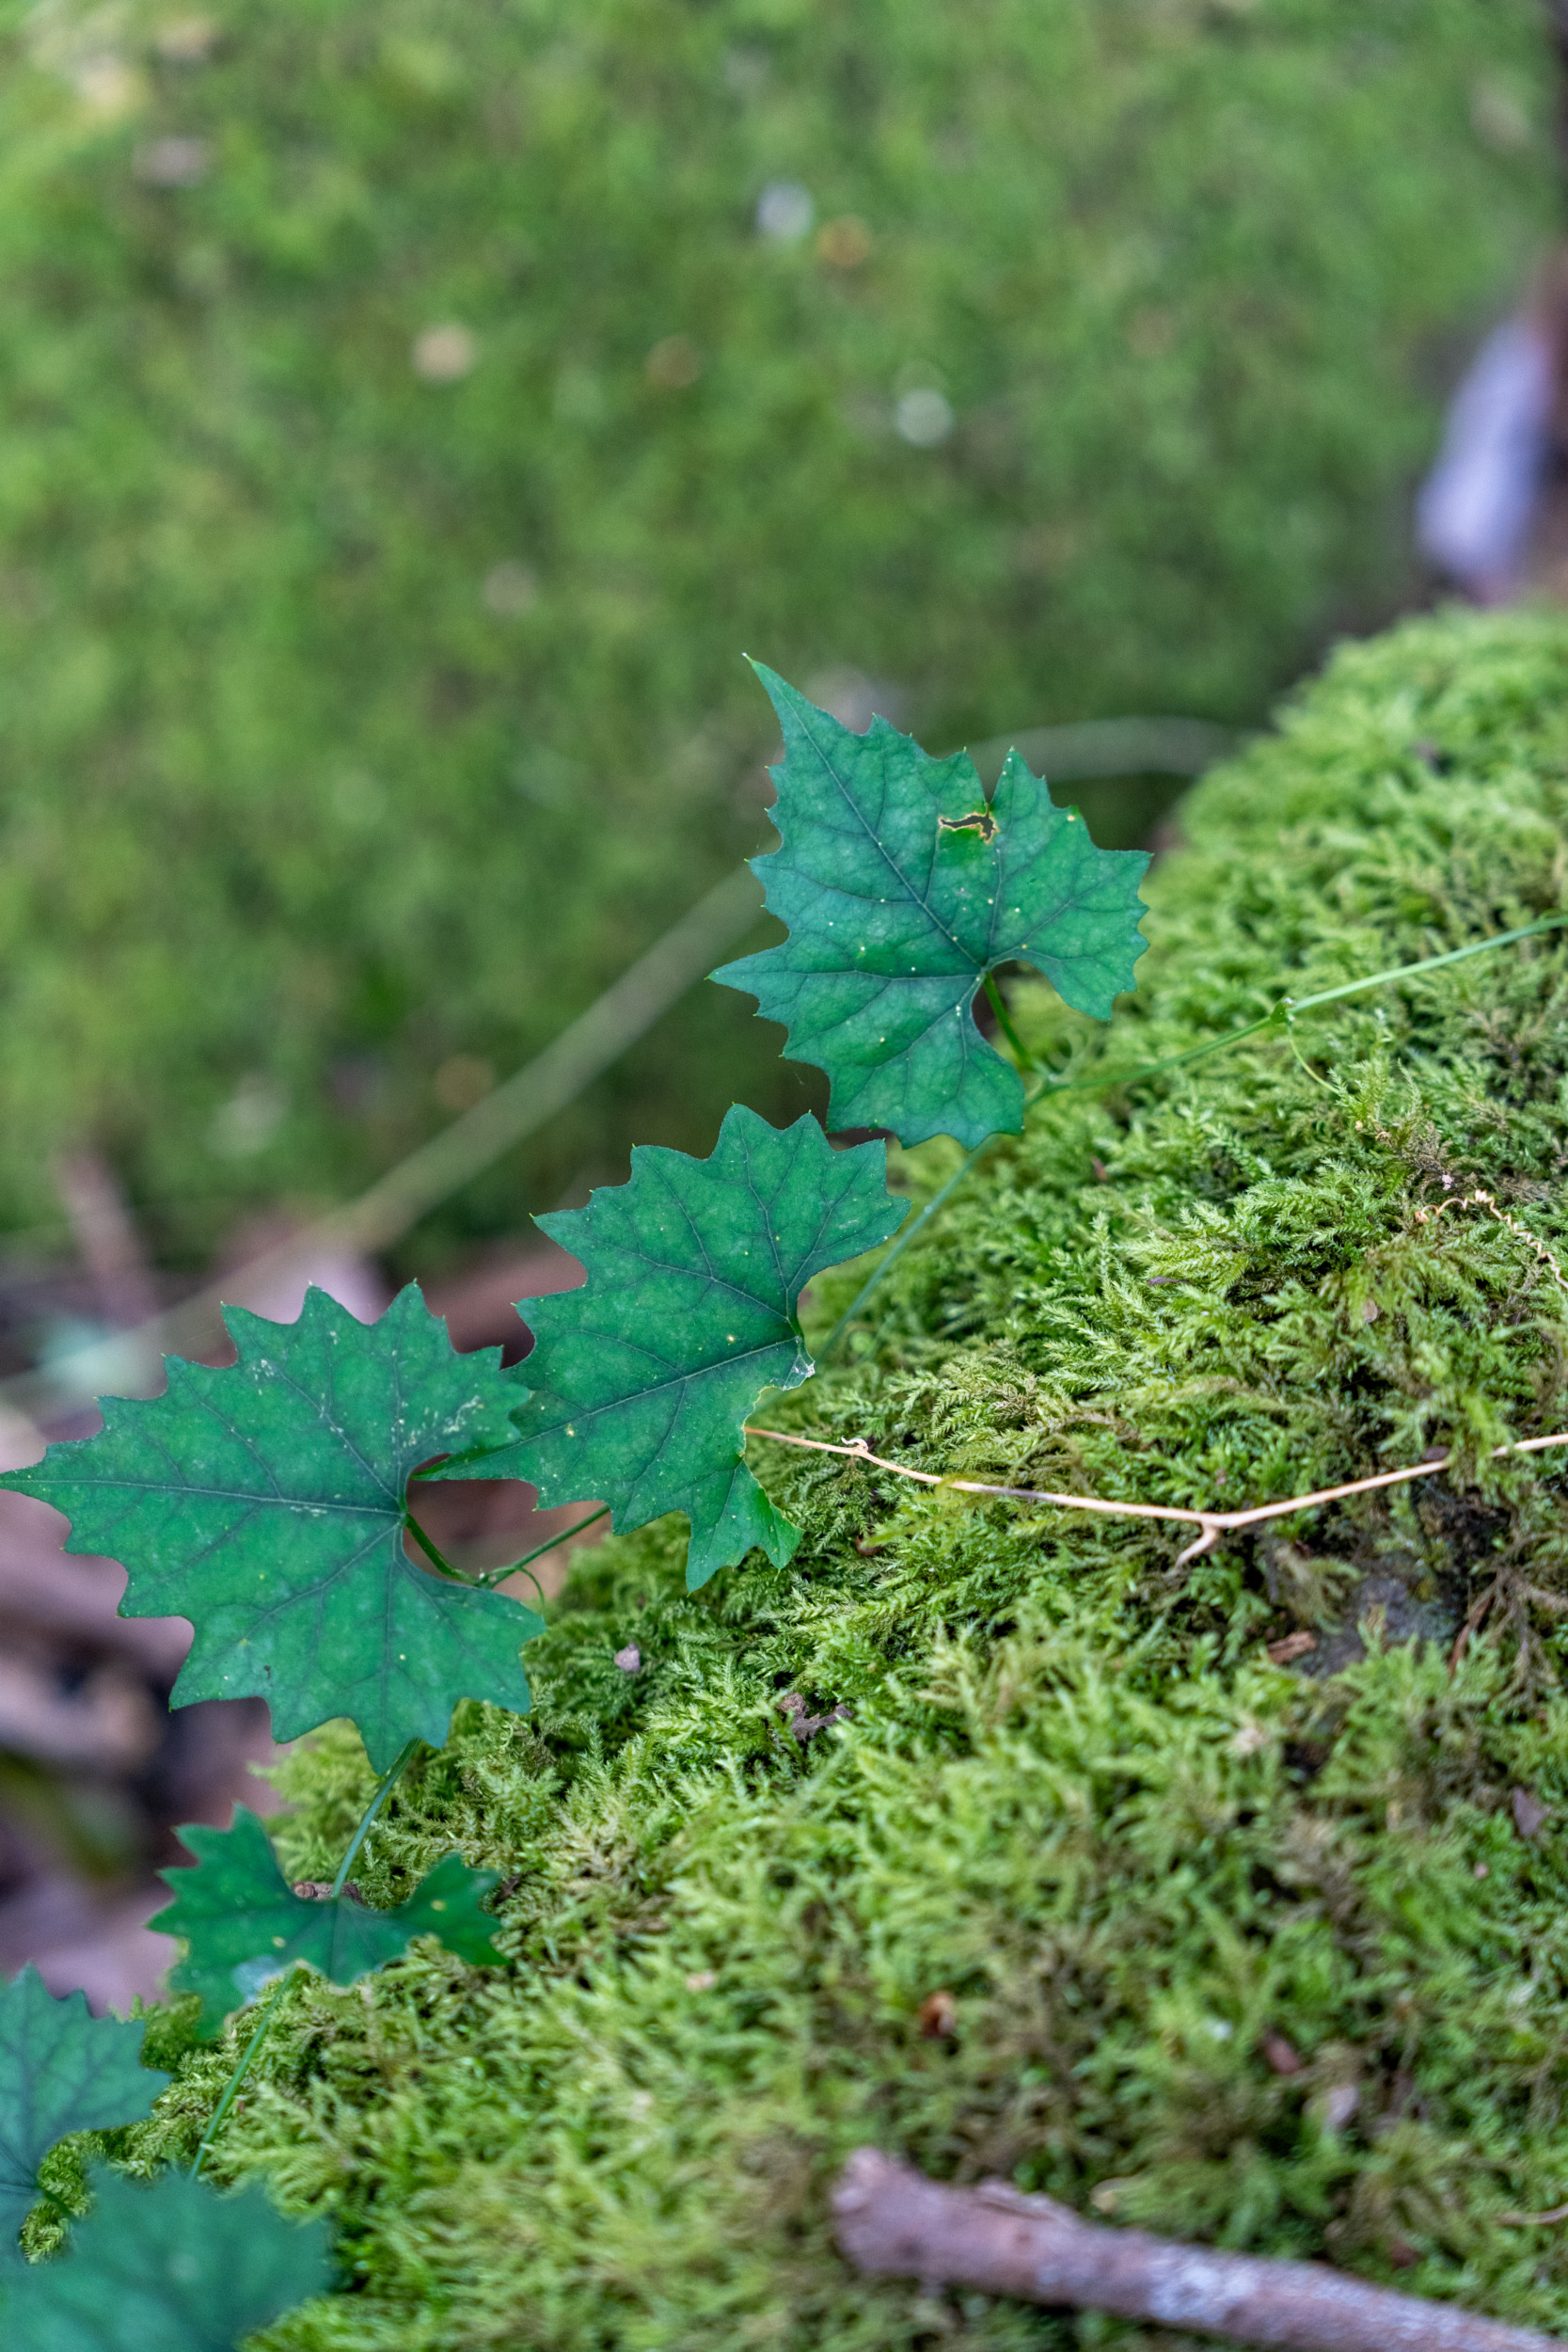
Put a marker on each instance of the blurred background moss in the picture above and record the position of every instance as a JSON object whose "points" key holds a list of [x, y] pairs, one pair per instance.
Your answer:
{"points": [[410, 411]]}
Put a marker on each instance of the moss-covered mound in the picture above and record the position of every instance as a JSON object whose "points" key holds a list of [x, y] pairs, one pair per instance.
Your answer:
{"points": [[1269, 1955]]}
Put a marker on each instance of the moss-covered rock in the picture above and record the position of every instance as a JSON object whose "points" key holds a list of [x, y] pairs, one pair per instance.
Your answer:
{"points": [[1270, 1957]]}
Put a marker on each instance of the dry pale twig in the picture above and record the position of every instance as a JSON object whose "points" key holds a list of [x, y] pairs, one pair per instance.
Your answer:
{"points": [[1213, 1523], [894, 2220], [1481, 1200]]}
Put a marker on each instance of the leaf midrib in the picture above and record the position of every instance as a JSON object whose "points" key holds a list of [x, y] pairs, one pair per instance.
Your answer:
{"points": [[910, 889], [635, 1396], [391, 1510]]}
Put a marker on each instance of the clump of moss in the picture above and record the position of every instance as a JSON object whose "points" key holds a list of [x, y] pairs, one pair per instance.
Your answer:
{"points": [[1268, 1957]]}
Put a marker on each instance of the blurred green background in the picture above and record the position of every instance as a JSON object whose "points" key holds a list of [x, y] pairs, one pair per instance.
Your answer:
{"points": [[410, 411]]}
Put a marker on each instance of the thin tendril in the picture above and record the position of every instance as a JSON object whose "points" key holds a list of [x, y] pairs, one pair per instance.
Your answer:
{"points": [[1302, 1064], [1288, 1008], [498, 1576], [900, 1243]]}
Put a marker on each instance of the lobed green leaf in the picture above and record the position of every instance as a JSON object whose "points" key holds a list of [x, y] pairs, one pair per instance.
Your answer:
{"points": [[641, 1380], [268, 1501], [903, 888], [61, 2070], [244, 1924], [169, 2269]]}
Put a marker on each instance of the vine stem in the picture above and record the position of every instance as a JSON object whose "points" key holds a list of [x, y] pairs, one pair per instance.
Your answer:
{"points": [[891, 1256], [367, 1821], [1286, 1009], [498, 1576], [487, 1582], [231, 2088], [1211, 1524]]}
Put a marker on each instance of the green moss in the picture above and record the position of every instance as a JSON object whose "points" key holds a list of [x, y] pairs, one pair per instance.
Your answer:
{"points": [[1070, 1789], [309, 666]]}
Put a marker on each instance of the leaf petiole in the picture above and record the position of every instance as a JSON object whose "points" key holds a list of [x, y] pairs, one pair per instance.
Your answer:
{"points": [[993, 997], [438, 1560], [383, 1789], [231, 2089]]}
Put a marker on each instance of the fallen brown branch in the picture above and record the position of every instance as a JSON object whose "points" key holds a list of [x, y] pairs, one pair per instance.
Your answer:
{"points": [[894, 2220], [1213, 1523]]}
